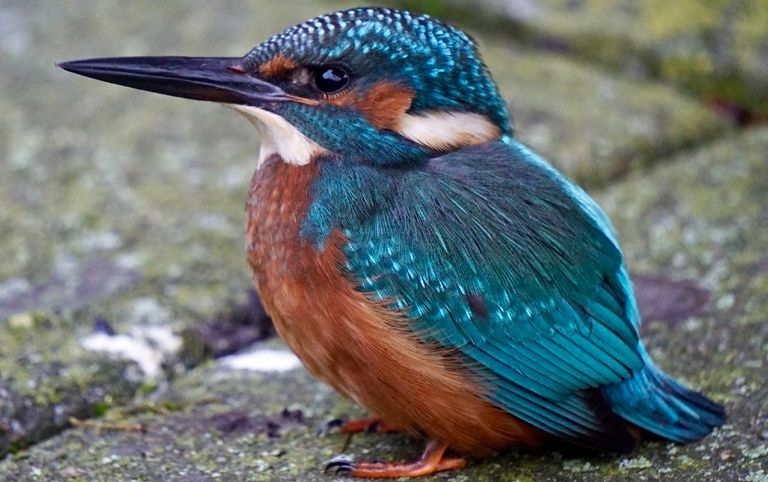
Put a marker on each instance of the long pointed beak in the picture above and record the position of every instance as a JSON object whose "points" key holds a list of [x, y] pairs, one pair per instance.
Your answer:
{"points": [[215, 79]]}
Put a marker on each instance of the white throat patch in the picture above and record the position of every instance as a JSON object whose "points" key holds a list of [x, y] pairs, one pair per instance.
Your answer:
{"points": [[279, 137]]}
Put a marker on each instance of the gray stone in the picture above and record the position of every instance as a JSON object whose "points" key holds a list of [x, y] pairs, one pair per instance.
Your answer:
{"points": [[717, 49], [122, 214], [594, 125]]}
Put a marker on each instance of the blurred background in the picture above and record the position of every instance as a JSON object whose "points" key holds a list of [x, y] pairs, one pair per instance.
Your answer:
{"points": [[121, 212]]}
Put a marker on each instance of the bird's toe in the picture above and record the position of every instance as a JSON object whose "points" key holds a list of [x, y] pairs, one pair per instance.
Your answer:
{"points": [[339, 465], [330, 425]]}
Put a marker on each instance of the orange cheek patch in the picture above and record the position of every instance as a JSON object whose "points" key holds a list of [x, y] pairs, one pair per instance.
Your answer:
{"points": [[386, 103], [277, 67], [383, 105]]}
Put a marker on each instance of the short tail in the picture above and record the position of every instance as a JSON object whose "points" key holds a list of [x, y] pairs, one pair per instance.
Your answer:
{"points": [[655, 402]]}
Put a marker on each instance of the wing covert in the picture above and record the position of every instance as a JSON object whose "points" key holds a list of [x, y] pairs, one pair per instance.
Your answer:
{"points": [[557, 321]]}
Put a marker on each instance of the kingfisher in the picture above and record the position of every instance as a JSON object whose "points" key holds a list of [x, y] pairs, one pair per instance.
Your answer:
{"points": [[420, 259]]}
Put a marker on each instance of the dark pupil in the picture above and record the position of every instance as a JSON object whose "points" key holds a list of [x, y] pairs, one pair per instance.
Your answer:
{"points": [[331, 79]]}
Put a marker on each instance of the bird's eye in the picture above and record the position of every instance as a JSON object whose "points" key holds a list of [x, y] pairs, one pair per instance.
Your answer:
{"points": [[331, 79]]}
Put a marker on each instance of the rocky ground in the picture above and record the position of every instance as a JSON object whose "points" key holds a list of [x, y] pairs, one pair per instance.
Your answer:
{"points": [[130, 346]]}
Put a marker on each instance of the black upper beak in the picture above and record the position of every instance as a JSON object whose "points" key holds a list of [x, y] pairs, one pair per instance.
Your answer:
{"points": [[216, 79]]}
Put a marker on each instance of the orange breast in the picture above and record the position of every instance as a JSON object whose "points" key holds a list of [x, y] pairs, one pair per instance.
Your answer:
{"points": [[359, 347]]}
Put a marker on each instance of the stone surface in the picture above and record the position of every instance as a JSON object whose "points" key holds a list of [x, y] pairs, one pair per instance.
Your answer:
{"points": [[45, 378], [116, 207], [716, 49], [594, 125], [702, 217], [215, 424], [122, 215], [697, 217]]}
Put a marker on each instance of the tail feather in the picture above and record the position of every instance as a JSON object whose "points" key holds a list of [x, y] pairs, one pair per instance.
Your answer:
{"points": [[655, 402]]}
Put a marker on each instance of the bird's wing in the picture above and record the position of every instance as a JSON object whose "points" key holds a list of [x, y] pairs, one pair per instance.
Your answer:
{"points": [[494, 254]]}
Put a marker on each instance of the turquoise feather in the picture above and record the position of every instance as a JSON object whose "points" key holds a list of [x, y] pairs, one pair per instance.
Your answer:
{"points": [[557, 344]]}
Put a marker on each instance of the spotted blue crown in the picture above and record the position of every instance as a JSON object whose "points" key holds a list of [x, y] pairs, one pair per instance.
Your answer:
{"points": [[438, 61]]}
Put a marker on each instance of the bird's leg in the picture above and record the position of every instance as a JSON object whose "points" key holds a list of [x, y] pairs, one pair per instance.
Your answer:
{"points": [[432, 460], [369, 425], [357, 425]]}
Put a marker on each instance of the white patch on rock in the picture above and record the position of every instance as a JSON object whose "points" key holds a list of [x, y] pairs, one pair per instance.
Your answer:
{"points": [[262, 360], [278, 136], [147, 346], [13, 287], [148, 311], [105, 240]]}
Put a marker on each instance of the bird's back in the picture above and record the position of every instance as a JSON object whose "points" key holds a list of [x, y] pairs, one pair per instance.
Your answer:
{"points": [[490, 253]]}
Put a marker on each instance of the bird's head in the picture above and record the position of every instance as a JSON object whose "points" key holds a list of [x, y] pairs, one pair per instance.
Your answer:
{"points": [[374, 85]]}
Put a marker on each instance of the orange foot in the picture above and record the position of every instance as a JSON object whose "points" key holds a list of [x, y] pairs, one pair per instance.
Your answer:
{"points": [[432, 460]]}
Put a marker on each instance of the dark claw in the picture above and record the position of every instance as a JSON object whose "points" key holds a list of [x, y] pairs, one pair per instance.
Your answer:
{"points": [[340, 465], [373, 428], [330, 425]]}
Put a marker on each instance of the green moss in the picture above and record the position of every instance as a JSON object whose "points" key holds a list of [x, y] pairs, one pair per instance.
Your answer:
{"points": [[142, 196], [714, 49], [47, 377], [593, 125]]}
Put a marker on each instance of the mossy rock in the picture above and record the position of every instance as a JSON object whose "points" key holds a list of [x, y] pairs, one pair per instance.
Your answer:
{"points": [[594, 125], [716, 49], [124, 210], [120, 210], [46, 378]]}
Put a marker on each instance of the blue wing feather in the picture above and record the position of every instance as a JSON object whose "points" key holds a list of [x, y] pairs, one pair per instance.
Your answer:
{"points": [[508, 230], [557, 341]]}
